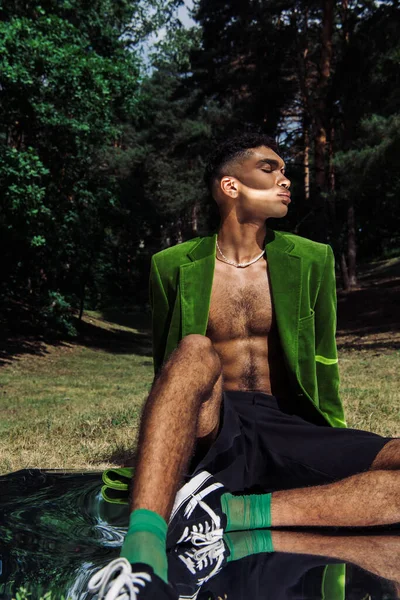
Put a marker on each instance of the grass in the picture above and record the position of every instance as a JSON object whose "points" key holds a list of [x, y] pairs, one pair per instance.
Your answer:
{"points": [[77, 405], [370, 390]]}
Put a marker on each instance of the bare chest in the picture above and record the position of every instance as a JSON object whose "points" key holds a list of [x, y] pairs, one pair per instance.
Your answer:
{"points": [[241, 304]]}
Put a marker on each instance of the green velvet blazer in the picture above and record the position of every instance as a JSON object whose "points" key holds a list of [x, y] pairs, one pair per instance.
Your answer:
{"points": [[303, 291]]}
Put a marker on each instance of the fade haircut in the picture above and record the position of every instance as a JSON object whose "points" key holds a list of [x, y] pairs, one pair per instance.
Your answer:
{"points": [[233, 150]]}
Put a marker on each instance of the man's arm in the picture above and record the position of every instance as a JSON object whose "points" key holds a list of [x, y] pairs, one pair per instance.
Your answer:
{"points": [[159, 315], [325, 345]]}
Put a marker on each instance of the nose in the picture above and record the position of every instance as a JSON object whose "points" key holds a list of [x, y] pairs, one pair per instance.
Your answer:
{"points": [[283, 181]]}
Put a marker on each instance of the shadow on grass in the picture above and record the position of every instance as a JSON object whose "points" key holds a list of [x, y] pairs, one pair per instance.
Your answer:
{"points": [[381, 269], [14, 346], [113, 331], [101, 334], [371, 312], [378, 346], [22, 335], [132, 319], [369, 317], [121, 457]]}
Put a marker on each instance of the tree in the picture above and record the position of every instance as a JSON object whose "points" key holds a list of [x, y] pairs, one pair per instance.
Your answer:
{"points": [[303, 70], [69, 86]]}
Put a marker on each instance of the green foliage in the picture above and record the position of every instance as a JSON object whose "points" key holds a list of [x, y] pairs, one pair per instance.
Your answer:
{"points": [[176, 131], [378, 143], [24, 594], [22, 191], [68, 86], [369, 172], [57, 314], [101, 160]]}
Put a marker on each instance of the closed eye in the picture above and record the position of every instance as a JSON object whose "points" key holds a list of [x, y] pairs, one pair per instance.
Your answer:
{"points": [[265, 171]]}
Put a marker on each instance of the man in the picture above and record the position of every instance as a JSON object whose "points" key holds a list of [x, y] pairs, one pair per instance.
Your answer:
{"points": [[247, 384]]}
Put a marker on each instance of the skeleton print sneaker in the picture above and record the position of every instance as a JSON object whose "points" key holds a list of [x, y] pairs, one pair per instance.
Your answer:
{"points": [[119, 580], [197, 517], [189, 567]]}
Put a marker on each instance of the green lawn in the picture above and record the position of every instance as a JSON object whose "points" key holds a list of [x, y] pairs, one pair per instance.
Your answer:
{"points": [[78, 405], [75, 407], [370, 390]]}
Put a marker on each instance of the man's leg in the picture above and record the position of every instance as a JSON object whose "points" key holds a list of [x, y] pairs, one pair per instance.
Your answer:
{"points": [[388, 457], [184, 403], [362, 500], [301, 462], [379, 554], [181, 407], [365, 499]]}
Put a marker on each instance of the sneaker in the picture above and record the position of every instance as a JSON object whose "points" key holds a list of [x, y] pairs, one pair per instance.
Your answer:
{"points": [[197, 517], [191, 566], [118, 581]]}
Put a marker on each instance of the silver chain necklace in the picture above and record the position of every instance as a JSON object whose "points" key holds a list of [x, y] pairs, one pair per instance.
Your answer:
{"points": [[231, 262]]}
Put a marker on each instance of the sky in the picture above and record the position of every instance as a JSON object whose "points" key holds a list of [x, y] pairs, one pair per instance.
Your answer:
{"points": [[183, 15]]}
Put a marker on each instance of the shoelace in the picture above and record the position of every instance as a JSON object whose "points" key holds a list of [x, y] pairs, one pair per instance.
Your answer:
{"points": [[206, 532], [203, 533], [117, 581], [200, 558]]}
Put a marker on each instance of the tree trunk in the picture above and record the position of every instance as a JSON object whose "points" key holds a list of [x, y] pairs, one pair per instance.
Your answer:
{"points": [[81, 303], [195, 210], [306, 163], [320, 117], [345, 274], [179, 233], [332, 184], [319, 157], [351, 245], [351, 222]]}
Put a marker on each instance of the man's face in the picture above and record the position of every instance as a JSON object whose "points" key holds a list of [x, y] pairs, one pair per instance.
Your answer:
{"points": [[261, 187]]}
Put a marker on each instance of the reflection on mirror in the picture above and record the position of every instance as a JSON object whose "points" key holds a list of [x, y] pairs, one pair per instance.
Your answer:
{"points": [[57, 531]]}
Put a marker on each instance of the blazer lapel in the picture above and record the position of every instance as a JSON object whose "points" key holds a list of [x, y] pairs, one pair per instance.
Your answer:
{"points": [[285, 274], [195, 282]]}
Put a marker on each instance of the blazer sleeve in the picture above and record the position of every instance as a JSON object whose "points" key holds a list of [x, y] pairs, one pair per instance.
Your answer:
{"points": [[326, 357], [159, 315]]}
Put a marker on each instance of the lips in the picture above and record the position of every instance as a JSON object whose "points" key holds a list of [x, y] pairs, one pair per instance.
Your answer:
{"points": [[286, 196]]}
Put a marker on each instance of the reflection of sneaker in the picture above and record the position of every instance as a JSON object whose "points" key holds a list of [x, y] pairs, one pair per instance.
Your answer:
{"points": [[117, 581], [191, 566], [197, 516]]}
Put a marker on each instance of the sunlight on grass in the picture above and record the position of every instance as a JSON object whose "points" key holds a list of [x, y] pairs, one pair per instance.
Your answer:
{"points": [[79, 407], [370, 390], [72, 410]]}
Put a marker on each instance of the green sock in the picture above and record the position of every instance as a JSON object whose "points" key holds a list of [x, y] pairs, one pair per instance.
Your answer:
{"points": [[246, 512], [145, 541], [245, 543]]}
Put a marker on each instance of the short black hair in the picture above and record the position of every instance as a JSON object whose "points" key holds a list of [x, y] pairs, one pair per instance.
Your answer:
{"points": [[231, 149]]}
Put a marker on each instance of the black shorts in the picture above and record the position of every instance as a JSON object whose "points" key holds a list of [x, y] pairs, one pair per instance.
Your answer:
{"points": [[271, 577], [263, 446]]}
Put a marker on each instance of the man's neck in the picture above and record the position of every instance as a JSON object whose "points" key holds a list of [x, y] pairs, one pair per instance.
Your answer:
{"points": [[242, 243]]}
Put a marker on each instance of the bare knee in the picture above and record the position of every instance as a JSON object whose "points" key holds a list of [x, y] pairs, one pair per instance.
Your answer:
{"points": [[201, 349], [196, 341], [194, 362], [389, 457]]}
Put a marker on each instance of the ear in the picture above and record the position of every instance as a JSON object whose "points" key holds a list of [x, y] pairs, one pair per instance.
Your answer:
{"points": [[229, 186]]}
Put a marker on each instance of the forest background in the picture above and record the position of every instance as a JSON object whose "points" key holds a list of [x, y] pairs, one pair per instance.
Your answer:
{"points": [[104, 134]]}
